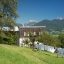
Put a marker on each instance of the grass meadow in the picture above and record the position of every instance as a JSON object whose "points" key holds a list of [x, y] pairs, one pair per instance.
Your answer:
{"points": [[21, 55]]}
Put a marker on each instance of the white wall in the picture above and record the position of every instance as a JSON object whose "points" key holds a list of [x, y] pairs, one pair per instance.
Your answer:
{"points": [[45, 47], [20, 41], [16, 28]]}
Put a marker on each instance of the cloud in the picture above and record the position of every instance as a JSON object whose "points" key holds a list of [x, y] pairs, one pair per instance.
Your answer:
{"points": [[60, 18], [32, 20]]}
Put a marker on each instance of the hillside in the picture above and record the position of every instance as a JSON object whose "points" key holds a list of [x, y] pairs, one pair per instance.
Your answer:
{"points": [[18, 55], [55, 24]]}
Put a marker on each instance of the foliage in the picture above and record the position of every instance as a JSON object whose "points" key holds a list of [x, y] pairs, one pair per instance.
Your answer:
{"points": [[49, 39], [8, 37], [12, 37], [26, 41], [32, 38], [8, 14], [8, 8], [61, 38], [2, 36]]}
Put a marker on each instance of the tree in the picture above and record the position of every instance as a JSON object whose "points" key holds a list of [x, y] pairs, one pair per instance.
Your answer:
{"points": [[8, 11], [8, 14], [61, 38], [45, 38], [32, 39], [8, 8], [48, 39]]}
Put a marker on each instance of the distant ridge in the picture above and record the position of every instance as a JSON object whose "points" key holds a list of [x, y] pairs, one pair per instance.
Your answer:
{"points": [[55, 24]]}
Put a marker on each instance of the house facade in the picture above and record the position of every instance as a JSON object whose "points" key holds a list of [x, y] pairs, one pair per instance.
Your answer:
{"points": [[25, 30]]}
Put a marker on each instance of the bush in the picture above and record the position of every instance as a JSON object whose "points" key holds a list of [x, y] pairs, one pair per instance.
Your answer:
{"points": [[8, 37]]}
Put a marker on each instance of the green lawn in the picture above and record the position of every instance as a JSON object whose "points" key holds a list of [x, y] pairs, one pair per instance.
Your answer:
{"points": [[18, 55]]}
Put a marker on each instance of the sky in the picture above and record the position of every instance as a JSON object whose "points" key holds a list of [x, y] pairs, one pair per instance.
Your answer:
{"points": [[37, 10]]}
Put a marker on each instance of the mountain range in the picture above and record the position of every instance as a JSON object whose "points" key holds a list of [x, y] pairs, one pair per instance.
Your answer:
{"points": [[55, 24]]}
